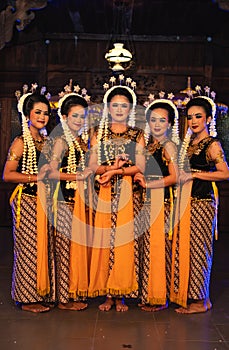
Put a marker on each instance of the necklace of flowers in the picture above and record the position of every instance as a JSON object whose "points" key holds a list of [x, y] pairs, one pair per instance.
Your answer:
{"points": [[103, 130], [184, 147], [72, 144]]}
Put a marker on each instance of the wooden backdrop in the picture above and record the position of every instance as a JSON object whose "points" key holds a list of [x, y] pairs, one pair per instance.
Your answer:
{"points": [[160, 63]]}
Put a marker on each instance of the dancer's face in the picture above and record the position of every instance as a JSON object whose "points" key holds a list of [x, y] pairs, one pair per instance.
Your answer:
{"points": [[39, 116], [75, 118], [159, 122], [197, 119], [119, 108]]}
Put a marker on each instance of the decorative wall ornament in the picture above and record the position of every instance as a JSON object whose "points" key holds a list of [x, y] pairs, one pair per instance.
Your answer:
{"points": [[21, 14]]}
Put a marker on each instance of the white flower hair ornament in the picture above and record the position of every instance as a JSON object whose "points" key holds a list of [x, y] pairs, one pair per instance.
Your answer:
{"points": [[210, 97], [175, 129], [212, 126]]}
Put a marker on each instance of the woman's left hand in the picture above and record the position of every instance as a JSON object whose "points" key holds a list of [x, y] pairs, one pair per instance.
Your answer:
{"points": [[120, 160], [43, 172]]}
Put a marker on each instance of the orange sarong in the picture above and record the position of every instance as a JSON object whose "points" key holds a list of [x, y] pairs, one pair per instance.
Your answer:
{"points": [[182, 234], [157, 269], [43, 285], [78, 276], [121, 279]]}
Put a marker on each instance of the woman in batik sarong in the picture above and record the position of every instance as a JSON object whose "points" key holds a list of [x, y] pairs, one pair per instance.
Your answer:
{"points": [[27, 165], [69, 167], [193, 238], [116, 156], [158, 180]]}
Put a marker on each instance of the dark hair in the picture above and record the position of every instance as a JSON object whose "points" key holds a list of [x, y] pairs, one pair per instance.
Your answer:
{"points": [[31, 100], [120, 91], [72, 101], [200, 102], [162, 105]]}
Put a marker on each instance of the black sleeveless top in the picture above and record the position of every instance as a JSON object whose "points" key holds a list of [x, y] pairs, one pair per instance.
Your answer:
{"points": [[156, 163], [199, 161]]}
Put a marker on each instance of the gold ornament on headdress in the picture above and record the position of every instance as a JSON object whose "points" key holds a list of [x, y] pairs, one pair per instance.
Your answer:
{"points": [[148, 104], [71, 140]]}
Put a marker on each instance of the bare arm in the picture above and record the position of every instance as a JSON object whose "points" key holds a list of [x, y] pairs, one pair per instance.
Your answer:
{"points": [[129, 171], [11, 173], [222, 171], [55, 173]]}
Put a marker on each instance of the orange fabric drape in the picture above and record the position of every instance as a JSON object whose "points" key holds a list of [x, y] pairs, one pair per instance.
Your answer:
{"points": [[182, 233], [43, 285], [78, 277], [99, 267], [17, 192], [122, 278], [157, 270]]}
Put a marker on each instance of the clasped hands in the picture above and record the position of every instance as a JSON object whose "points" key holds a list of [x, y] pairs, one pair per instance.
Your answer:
{"points": [[105, 178]]}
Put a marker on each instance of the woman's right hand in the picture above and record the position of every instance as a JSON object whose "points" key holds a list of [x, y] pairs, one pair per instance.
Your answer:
{"points": [[54, 174], [185, 177], [105, 178], [44, 170], [140, 178]]}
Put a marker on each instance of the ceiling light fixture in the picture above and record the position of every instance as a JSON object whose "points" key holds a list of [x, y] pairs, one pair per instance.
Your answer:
{"points": [[118, 57]]}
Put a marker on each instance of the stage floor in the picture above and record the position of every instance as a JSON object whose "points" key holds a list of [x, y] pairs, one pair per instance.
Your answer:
{"points": [[92, 329]]}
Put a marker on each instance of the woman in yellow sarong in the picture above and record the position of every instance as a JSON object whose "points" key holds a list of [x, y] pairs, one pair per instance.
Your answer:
{"points": [[160, 176], [68, 165], [27, 164], [193, 240], [116, 156]]}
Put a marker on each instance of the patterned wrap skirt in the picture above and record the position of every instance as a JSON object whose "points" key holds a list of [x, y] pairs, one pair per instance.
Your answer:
{"points": [[145, 252], [62, 249], [203, 220], [24, 279]]}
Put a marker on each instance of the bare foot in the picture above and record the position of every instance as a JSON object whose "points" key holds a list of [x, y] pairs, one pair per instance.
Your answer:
{"points": [[141, 305], [35, 307], [195, 308], [72, 306], [120, 305], [107, 305], [154, 308]]}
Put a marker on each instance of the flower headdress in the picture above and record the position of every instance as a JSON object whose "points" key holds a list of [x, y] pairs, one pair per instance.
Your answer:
{"points": [[29, 158], [130, 86], [71, 140], [210, 97], [168, 101]]}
